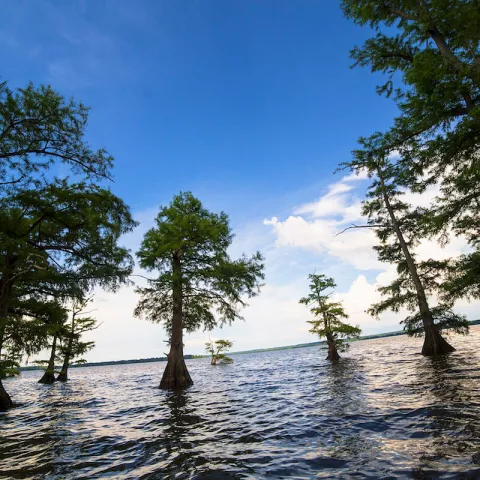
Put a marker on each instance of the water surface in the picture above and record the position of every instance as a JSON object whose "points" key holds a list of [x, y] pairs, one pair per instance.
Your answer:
{"points": [[383, 411]]}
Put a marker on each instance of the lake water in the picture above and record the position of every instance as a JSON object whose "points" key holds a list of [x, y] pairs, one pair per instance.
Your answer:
{"points": [[383, 411]]}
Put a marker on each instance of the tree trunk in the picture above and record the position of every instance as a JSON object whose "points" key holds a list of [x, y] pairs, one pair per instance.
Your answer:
{"points": [[176, 375], [5, 400], [434, 343], [49, 375], [214, 360], [63, 375], [332, 348], [6, 291]]}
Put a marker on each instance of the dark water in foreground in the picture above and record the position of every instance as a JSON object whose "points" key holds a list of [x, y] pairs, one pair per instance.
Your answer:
{"points": [[383, 412]]}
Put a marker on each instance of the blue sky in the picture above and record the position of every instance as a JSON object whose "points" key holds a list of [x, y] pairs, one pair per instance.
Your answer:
{"points": [[249, 104], [240, 101]]}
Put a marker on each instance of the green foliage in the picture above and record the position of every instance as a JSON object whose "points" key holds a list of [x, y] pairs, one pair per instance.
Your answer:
{"points": [[395, 221], [73, 347], [431, 58], [328, 315], [38, 128], [30, 325], [58, 237], [218, 350], [70, 229], [9, 367], [213, 286]]}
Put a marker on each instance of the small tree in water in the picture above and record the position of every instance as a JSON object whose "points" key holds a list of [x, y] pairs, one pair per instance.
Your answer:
{"points": [[188, 247], [218, 351], [73, 346], [328, 316], [54, 329]]}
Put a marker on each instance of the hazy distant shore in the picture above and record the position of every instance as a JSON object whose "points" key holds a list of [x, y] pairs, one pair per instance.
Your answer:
{"points": [[188, 357]]}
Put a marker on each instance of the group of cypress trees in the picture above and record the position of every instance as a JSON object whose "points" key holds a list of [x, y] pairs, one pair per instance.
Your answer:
{"points": [[429, 51], [60, 227]]}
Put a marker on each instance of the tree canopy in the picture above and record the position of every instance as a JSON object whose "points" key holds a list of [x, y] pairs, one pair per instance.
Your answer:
{"points": [[430, 53], [198, 284], [39, 128], [218, 349], [59, 233], [213, 285], [398, 227], [328, 322]]}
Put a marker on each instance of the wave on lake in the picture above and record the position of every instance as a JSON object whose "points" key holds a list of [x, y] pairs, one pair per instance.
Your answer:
{"points": [[383, 411]]}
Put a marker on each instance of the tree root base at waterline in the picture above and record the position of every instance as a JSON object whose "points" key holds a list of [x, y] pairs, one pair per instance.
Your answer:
{"points": [[5, 400], [332, 352], [333, 358], [47, 379], [435, 344], [175, 377], [62, 377]]}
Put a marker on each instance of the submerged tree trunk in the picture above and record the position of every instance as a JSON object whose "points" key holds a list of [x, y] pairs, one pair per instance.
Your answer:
{"points": [[434, 343], [214, 360], [176, 375], [6, 290], [63, 375], [49, 375], [5, 400], [332, 348]]}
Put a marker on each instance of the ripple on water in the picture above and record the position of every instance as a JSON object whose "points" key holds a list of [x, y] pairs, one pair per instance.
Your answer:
{"points": [[382, 412]]}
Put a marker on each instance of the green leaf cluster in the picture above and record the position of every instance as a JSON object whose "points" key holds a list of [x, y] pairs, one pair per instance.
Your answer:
{"points": [[328, 315], [59, 233], [428, 53], [213, 286], [218, 350]]}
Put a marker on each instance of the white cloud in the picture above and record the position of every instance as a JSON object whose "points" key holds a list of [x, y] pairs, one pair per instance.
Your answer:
{"points": [[296, 246], [353, 177], [358, 298], [336, 201], [315, 228]]}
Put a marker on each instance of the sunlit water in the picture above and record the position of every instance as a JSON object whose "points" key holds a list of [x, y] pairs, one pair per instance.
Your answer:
{"points": [[382, 412]]}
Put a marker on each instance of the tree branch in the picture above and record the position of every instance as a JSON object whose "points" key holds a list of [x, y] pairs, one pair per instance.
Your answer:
{"points": [[358, 226]]}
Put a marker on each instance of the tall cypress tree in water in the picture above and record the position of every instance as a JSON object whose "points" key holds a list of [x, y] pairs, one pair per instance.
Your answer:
{"points": [[328, 322], [398, 228], [198, 284], [55, 329], [49, 226], [430, 53], [73, 346]]}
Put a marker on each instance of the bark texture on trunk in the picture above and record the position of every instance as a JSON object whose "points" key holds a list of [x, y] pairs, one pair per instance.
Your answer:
{"points": [[63, 375], [176, 375], [5, 400], [49, 375], [434, 343], [332, 348], [214, 360], [6, 292]]}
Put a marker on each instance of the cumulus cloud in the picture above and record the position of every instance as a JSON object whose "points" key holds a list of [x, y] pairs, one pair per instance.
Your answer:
{"points": [[315, 228], [301, 243]]}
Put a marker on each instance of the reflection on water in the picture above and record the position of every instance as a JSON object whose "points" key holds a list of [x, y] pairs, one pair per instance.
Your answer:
{"points": [[383, 411]]}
